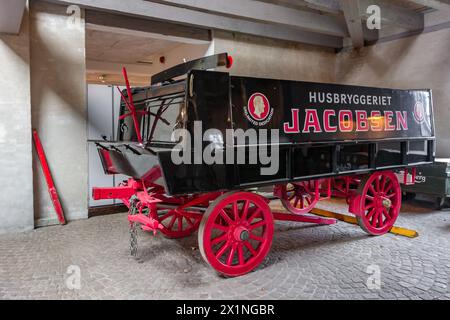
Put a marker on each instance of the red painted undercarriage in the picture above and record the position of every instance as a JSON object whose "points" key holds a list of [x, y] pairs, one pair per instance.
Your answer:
{"points": [[236, 228]]}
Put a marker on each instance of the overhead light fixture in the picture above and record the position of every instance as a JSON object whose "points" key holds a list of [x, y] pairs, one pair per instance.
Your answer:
{"points": [[102, 78], [145, 62]]}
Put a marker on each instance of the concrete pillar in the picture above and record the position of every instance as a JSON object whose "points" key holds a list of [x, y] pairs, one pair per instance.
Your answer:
{"points": [[16, 190], [58, 99]]}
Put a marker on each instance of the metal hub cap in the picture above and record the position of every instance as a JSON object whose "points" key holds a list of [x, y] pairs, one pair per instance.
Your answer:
{"points": [[387, 203], [241, 234], [245, 235]]}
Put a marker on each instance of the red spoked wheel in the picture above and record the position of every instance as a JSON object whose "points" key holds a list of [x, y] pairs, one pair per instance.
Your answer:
{"points": [[179, 222], [380, 202], [300, 197], [236, 233]]}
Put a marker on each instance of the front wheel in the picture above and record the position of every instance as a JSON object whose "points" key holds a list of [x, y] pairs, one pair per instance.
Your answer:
{"points": [[380, 202], [236, 233]]}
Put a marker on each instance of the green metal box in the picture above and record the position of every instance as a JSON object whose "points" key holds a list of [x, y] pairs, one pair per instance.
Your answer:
{"points": [[432, 179]]}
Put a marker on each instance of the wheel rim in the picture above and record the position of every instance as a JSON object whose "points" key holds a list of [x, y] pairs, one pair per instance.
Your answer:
{"points": [[299, 197], [179, 223], [236, 233], [380, 203]]}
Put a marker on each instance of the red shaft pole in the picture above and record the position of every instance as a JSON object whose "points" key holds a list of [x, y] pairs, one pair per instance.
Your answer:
{"points": [[48, 177], [131, 106]]}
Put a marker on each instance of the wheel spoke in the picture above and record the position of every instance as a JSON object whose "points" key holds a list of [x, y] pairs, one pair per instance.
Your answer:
{"points": [[389, 196], [172, 222], [296, 201], [189, 221], [371, 213], [167, 215], [380, 219], [388, 187], [372, 189], [386, 214], [235, 211], [254, 215], [231, 255], [245, 210], [222, 250], [227, 218], [377, 184], [257, 225], [219, 239], [374, 220], [241, 254], [220, 227], [383, 182], [308, 200], [250, 248], [180, 223], [369, 206], [256, 238]]}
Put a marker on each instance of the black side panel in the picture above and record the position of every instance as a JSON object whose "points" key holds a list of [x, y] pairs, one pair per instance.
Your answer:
{"points": [[286, 101], [192, 178], [208, 101]]}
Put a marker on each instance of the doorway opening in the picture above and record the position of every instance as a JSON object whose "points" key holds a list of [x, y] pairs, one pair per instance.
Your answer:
{"points": [[150, 48]]}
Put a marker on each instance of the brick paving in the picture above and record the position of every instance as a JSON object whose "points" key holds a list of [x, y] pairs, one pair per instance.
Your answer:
{"points": [[306, 262]]}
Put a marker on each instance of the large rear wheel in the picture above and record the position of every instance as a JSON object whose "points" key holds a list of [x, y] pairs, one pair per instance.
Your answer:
{"points": [[236, 233]]}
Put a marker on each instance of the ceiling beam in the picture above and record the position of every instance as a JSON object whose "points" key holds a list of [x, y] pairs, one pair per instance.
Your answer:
{"points": [[125, 25], [166, 13], [392, 14], [329, 6], [104, 67], [354, 23], [435, 4], [11, 13], [268, 13]]}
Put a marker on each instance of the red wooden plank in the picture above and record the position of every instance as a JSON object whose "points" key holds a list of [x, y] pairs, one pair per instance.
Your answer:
{"points": [[48, 177]]}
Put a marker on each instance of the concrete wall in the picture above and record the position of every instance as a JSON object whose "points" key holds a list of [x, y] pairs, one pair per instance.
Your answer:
{"points": [[411, 63], [58, 99], [16, 190], [266, 58]]}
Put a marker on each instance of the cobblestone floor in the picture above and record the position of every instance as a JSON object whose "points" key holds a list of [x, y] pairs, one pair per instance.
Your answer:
{"points": [[306, 262]]}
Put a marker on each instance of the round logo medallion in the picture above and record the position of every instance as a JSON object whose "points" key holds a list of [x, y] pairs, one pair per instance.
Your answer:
{"points": [[258, 107]]}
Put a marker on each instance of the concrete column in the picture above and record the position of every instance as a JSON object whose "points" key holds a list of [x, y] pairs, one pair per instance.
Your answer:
{"points": [[58, 99], [16, 190]]}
